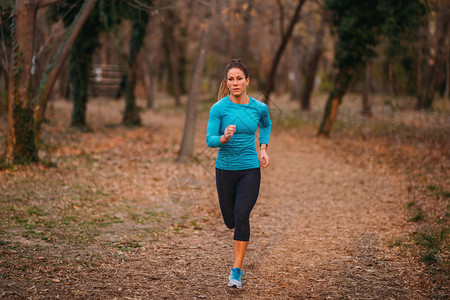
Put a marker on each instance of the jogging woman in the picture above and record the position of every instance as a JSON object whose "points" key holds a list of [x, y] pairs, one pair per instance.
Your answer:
{"points": [[232, 125]]}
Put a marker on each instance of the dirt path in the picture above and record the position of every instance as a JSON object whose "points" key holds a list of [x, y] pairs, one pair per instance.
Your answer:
{"points": [[335, 219], [320, 230]]}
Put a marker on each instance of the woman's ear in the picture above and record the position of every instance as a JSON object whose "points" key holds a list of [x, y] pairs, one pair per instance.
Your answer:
{"points": [[248, 81]]}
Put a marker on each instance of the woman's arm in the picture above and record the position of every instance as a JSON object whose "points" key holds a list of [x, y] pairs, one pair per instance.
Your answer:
{"points": [[213, 129], [265, 126], [213, 137]]}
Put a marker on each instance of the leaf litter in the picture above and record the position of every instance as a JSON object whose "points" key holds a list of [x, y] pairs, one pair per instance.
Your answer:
{"points": [[118, 218]]}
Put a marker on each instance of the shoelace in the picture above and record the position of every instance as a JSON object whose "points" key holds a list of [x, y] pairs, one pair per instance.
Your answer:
{"points": [[237, 273]]}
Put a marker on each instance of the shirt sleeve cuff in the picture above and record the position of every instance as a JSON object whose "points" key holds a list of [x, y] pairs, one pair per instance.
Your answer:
{"points": [[213, 141]]}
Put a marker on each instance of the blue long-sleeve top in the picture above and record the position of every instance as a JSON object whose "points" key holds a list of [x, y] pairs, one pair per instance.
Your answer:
{"points": [[239, 153]]}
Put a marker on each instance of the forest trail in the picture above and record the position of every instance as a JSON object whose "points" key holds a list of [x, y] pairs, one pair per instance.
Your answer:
{"points": [[320, 229]]}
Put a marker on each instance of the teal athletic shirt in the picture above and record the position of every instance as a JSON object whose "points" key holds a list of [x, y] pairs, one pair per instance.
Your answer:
{"points": [[239, 153]]}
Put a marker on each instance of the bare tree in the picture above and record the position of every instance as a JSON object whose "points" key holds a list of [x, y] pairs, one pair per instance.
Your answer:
{"points": [[21, 147], [367, 89], [172, 51], [131, 114], [420, 58], [437, 57], [187, 144], [297, 62], [270, 82], [447, 71], [312, 66], [149, 82], [54, 69]]}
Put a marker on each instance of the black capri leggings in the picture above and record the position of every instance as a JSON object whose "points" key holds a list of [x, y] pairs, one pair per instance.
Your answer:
{"points": [[238, 191]]}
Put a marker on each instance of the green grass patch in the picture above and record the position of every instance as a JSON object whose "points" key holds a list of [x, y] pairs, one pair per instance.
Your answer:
{"points": [[102, 221], [438, 191], [410, 204], [4, 243], [20, 219], [35, 211], [5, 165], [128, 246], [68, 219], [47, 162], [432, 243], [152, 213], [137, 218], [35, 235], [419, 216], [397, 242]]}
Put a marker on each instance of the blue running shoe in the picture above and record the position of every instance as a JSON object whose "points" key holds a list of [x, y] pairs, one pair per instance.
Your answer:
{"points": [[235, 278]]}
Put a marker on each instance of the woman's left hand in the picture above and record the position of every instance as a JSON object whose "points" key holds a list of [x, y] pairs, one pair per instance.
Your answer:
{"points": [[263, 158]]}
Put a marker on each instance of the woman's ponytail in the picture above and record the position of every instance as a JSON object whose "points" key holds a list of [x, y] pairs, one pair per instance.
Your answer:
{"points": [[223, 89]]}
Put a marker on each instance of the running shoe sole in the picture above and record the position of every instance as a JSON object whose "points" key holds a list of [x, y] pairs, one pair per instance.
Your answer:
{"points": [[234, 283]]}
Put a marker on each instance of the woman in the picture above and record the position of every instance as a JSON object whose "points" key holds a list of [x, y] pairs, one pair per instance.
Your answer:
{"points": [[232, 125]]}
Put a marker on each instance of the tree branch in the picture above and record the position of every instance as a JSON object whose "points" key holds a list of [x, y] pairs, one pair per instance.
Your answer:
{"points": [[280, 6], [285, 39], [52, 72], [6, 62]]}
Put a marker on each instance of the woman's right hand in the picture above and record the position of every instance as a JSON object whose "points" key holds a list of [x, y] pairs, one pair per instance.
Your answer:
{"points": [[229, 131]]}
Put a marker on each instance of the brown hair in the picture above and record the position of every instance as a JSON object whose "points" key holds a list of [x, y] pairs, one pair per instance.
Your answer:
{"points": [[223, 89]]}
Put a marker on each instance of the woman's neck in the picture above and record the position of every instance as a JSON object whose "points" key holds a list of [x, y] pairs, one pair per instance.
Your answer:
{"points": [[242, 99]]}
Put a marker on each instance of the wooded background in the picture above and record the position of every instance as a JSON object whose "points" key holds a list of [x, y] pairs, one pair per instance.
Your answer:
{"points": [[142, 49], [99, 104]]}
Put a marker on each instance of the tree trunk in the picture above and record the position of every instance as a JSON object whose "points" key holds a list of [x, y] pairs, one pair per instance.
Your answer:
{"points": [[149, 80], [312, 67], [172, 55], [297, 62], [5, 53], [181, 43], [5, 74], [246, 35], [63, 82], [5, 91], [341, 83], [447, 73], [80, 66], [270, 82], [331, 109], [442, 31], [131, 115], [367, 90], [281, 17], [187, 144], [54, 69], [419, 80], [80, 94], [21, 147], [391, 77]]}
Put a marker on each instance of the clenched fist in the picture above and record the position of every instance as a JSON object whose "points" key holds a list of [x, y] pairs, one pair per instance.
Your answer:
{"points": [[229, 131]]}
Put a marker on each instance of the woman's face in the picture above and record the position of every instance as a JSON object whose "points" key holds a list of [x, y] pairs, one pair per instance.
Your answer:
{"points": [[236, 82]]}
